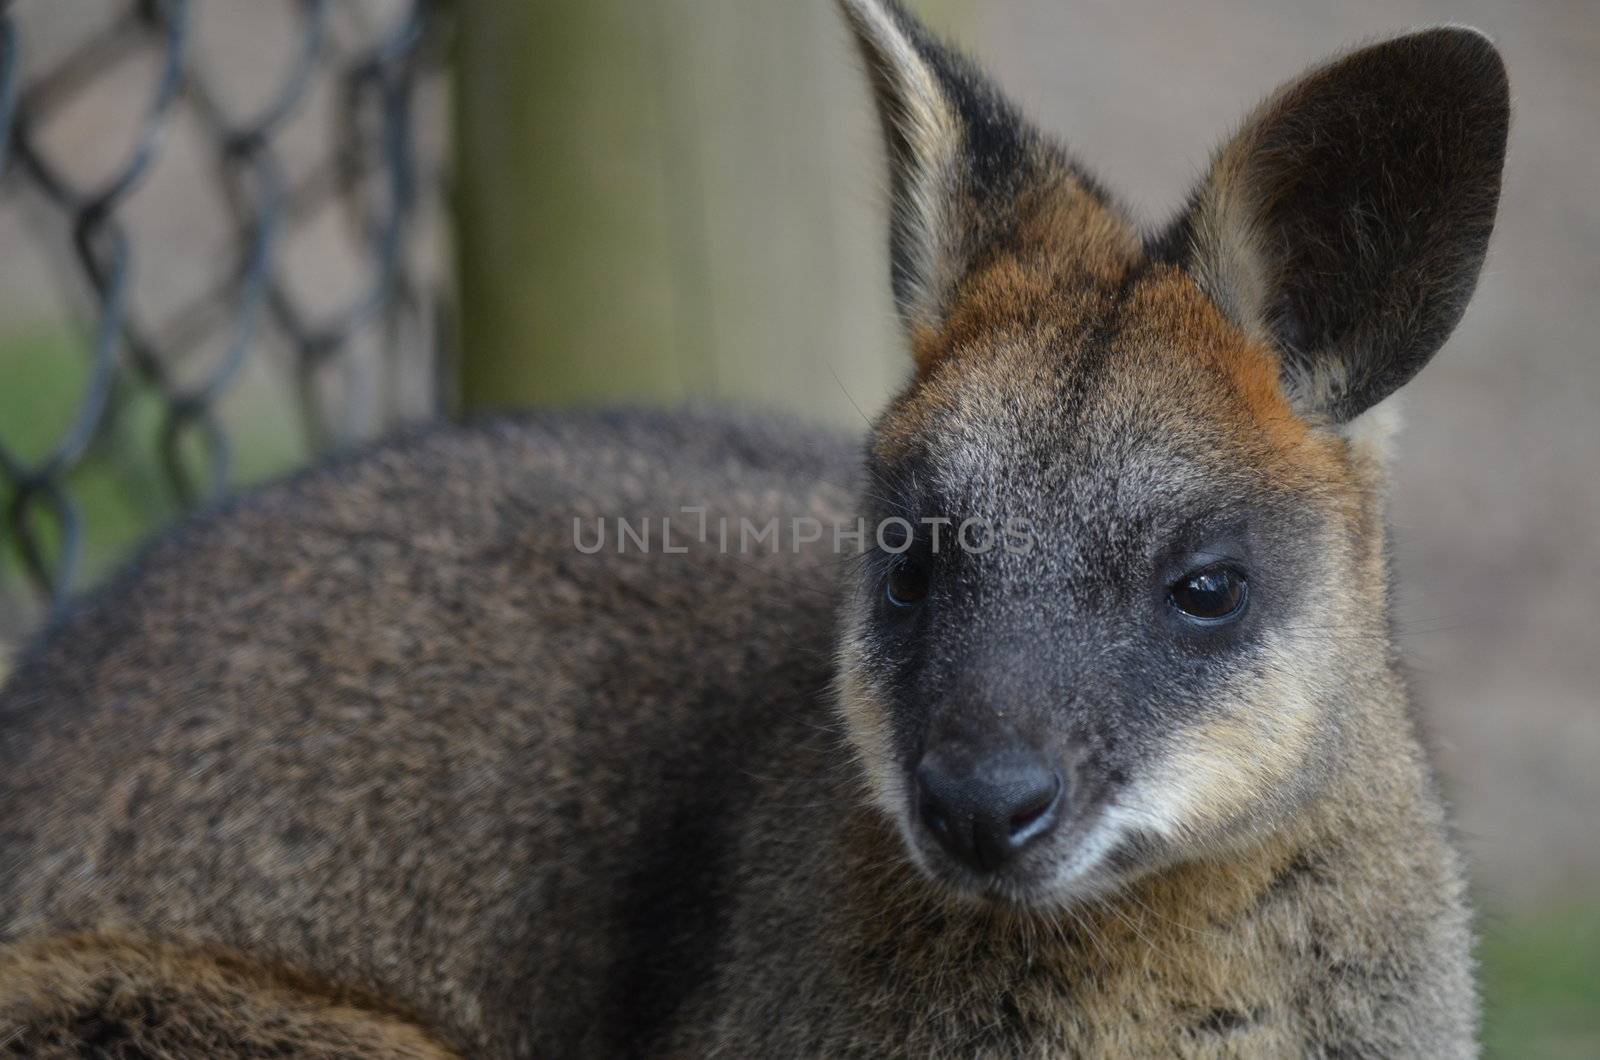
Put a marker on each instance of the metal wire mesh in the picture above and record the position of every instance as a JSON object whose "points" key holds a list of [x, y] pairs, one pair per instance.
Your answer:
{"points": [[322, 150]]}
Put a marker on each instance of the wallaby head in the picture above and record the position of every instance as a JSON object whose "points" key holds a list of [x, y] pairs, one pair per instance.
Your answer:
{"points": [[1167, 670]]}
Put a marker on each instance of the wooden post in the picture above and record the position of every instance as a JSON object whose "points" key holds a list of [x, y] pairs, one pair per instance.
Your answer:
{"points": [[663, 199]]}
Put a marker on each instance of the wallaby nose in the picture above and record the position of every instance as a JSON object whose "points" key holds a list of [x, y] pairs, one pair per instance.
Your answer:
{"points": [[984, 811]]}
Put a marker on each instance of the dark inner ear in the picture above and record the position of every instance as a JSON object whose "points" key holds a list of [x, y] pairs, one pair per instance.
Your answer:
{"points": [[1350, 216]]}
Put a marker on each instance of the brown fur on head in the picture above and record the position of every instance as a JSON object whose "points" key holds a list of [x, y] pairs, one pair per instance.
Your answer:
{"points": [[1169, 415]]}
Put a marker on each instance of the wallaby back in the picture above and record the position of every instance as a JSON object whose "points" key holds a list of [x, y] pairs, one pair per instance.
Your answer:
{"points": [[385, 725]]}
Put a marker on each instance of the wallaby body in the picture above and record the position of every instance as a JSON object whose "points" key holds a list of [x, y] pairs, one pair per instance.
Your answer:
{"points": [[567, 805], [379, 762]]}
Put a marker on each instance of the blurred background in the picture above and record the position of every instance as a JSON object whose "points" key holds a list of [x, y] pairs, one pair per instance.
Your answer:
{"points": [[239, 234]]}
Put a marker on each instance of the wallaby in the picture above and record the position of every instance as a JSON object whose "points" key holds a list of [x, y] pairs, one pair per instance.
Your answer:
{"points": [[403, 758]]}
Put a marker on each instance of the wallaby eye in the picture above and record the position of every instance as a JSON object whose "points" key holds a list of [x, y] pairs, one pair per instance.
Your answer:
{"points": [[1212, 595], [907, 585]]}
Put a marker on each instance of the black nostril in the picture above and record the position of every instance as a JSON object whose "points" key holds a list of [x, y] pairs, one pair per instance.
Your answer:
{"points": [[985, 811], [1033, 814]]}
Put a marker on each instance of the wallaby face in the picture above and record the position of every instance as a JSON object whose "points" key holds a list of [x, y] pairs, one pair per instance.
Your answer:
{"points": [[1160, 675]]}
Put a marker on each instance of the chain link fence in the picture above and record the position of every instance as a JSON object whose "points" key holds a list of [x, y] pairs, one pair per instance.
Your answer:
{"points": [[228, 215]]}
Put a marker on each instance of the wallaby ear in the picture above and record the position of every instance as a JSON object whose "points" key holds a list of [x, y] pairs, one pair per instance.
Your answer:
{"points": [[959, 155], [1347, 220]]}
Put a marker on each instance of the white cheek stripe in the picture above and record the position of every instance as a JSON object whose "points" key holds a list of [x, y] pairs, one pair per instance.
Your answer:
{"points": [[1115, 823]]}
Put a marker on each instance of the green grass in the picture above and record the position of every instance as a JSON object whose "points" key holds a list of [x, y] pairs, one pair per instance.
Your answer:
{"points": [[120, 489], [1541, 984], [42, 378]]}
